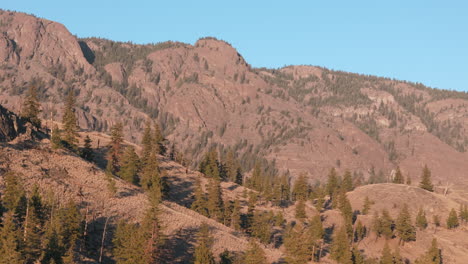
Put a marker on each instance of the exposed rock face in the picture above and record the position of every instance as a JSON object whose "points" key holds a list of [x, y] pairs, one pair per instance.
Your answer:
{"points": [[10, 125]]}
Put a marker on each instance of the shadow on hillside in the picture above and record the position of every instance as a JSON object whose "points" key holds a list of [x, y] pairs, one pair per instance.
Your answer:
{"points": [[180, 190], [180, 247]]}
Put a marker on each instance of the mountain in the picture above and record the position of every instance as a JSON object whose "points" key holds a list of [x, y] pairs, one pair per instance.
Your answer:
{"points": [[303, 118]]}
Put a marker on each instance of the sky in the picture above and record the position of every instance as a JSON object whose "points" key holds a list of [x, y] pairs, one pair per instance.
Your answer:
{"points": [[419, 41]]}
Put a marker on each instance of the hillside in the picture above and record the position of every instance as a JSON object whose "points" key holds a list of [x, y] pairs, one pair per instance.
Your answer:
{"points": [[302, 118]]}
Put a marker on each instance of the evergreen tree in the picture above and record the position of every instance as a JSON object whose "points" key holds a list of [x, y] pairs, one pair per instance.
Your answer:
{"points": [[9, 246], [297, 251], [70, 122], [387, 256], [397, 259], [215, 200], [279, 219], [53, 251], [332, 183], [158, 140], [408, 180], [129, 244], [255, 254], [114, 154], [387, 224], [203, 253], [340, 250], [152, 233], [367, 205], [226, 257], [151, 174], [32, 231], [110, 179], [452, 220], [31, 106], [14, 191], [56, 138], [300, 210], [426, 182], [233, 168], [421, 220], [130, 166], [360, 232], [398, 177], [300, 189], [432, 256], [255, 181], [404, 227], [261, 228], [315, 234], [87, 151], [358, 258], [347, 183], [236, 216], [199, 204]]}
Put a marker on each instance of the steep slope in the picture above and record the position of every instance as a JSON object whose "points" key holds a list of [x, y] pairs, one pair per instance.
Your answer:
{"points": [[300, 118]]}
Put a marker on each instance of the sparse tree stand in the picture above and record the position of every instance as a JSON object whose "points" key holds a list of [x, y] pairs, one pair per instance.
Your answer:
{"points": [[432, 256], [31, 106], [426, 182], [69, 121]]}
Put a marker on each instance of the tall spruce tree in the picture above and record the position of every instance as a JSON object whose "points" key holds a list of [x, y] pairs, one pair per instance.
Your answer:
{"points": [[203, 253], [215, 204], [56, 138], [387, 224], [301, 189], [387, 256], [199, 204], [340, 249], [404, 227], [426, 182], [236, 216], [129, 244], [432, 256], [9, 242], [452, 220], [31, 106], [421, 221], [300, 210], [347, 183], [297, 251], [70, 122], [255, 254], [332, 183], [367, 205], [114, 155], [130, 166]]}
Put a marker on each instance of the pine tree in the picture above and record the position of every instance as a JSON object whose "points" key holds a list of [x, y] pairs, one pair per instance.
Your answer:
{"points": [[347, 183], [31, 106], [255, 182], [150, 173], [9, 246], [408, 180], [152, 233], [56, 138], [360, 232], [114, 154], [199, 203], [387, 256], [32, 231], [300, 189], [233, 168], [14, 191], [397, 258], [255, 254], [215, 200], [203, 253], [452, 220], [421, 220], [436, 220], [315, 234], [87, 151], [53, 251], [111, 186], [236, 216], [129, 244], [358, 258], [279, 219], [398, 177], [261, 228], [404, 227], [340, 250], [297, 251], [367, 205], [332, 183], [300, 210], [387, 224], [130, 166], [158, 140], [426, 182], [432, 256], [70, 122]]}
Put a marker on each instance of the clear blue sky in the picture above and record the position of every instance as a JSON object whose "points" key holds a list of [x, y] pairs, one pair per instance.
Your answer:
{"points": [[421, 41]]}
